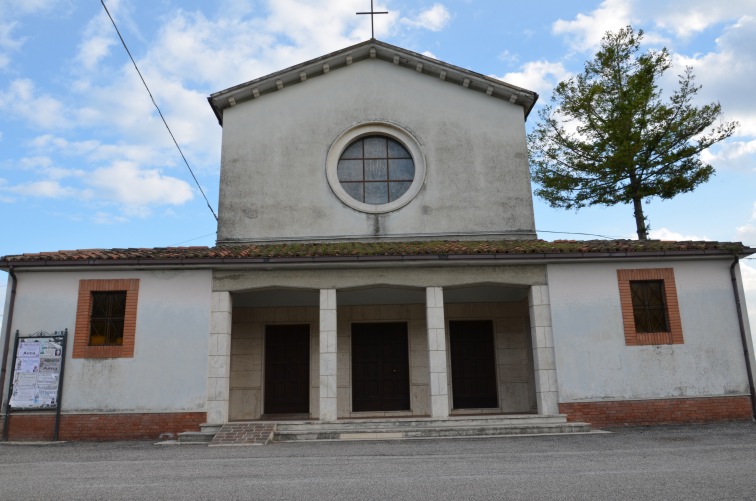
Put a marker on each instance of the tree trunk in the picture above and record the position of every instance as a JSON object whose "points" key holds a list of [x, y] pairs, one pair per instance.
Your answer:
{"points": [[640, 219]]}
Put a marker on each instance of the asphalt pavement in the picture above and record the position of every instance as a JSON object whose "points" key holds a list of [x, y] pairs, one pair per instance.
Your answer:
{"points": [[704, 462]]}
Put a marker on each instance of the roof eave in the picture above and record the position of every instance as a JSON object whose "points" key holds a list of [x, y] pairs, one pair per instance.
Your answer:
{"points": [[370, 49], [351, 260]]}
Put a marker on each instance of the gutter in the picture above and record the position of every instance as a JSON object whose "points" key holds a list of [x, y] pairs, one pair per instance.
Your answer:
{"points": [[743, 336], [213, 262], [6, 340]]}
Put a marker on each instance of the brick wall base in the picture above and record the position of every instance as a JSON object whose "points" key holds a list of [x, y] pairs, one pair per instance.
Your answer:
{"points": [[41, 427], [663, 411]]}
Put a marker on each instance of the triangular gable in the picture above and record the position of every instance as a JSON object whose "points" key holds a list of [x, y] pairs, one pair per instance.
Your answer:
{"points": [[371, 49]]}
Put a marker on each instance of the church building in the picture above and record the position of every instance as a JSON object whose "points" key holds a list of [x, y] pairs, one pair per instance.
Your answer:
{"points": [[377, 259]]}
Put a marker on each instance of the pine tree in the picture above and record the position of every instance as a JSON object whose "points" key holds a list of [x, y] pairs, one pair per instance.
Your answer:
{"points": [[612, 138]]}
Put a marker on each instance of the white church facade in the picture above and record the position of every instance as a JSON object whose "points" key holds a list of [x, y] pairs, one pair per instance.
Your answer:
{"points": [[377, 258]]}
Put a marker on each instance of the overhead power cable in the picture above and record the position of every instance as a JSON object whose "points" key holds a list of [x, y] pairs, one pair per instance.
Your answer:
{"points": [[123, 42], [574, 233]]}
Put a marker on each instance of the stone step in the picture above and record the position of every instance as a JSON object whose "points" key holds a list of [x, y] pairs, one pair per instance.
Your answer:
{"points": [[244, 433], [408, 423], [195, 437], [477, 430]]}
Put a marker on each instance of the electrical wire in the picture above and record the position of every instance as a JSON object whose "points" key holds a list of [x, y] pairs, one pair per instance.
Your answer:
{"points": [[123, 42], [192, 239], [575, 233]]}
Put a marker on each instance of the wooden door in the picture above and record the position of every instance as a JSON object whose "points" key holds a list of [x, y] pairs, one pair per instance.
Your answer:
{"points": [[287, 369], [473, 364], [380, 367]]}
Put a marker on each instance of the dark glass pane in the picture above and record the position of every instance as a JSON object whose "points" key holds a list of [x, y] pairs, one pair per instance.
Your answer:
{"points": [[349, 170], [396, 190], [98, 332], [657, 320], [354, 190], [654, 293], [396, 150], [107, 319], [401, 170], [354, 150], [115, 332], [99, 304], [117, 304], [376, 170], [375, 147], [649, 308], [376, 193]]}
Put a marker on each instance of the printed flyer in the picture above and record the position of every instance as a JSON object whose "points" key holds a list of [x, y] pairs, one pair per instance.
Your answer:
{"points": [[36, 374]]}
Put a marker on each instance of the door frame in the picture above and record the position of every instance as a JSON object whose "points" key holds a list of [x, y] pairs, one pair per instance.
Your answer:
{"points": [[264, 375], [408, 410], [452, 405]]}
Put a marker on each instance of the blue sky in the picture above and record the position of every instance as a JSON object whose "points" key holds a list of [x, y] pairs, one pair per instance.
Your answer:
{"points": [[86, 163]]}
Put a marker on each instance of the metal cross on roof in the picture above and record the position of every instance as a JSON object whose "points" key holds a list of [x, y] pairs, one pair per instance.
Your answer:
{"points": [[372, 18]]}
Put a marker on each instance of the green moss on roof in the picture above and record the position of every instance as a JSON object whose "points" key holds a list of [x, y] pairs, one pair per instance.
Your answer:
{"points": [[231, 252]]}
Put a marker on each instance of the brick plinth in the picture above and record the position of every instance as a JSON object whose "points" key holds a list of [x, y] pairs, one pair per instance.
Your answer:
{"points": [[662, 411], [102, 426]]}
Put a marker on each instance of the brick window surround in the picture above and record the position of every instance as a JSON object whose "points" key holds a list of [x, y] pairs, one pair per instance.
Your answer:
{"points": [[632, 336], [81, 348]]}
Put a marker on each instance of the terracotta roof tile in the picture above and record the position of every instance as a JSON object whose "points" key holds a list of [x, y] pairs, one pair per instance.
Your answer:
{"points": [[366, 250]]}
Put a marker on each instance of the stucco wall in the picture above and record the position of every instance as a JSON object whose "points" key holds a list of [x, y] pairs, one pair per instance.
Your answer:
{"points": [[273, 173], [593, 362], [168, 371]]}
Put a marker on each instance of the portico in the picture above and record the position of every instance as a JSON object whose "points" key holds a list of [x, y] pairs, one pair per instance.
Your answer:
{"points": [[382, 343]]}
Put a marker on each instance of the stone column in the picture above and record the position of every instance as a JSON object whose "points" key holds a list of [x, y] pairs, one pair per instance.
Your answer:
{"points": [[219, 358], [328, 407], [439, 386], [543, 350]]}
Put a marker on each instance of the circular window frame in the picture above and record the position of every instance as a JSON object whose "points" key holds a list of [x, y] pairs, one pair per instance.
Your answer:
{"points": [[375, 129]]}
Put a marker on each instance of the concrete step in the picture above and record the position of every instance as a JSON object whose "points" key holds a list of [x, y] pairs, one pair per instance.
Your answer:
{"points": [[409, 423], [428, 428], [195, 437], [435, 432]]}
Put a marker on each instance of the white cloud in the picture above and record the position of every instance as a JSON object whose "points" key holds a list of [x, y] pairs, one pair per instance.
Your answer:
{"points": [[732, 154], [586, 30], [727, 75], [748, 273], [747, 234], [24, 7], [10, 12], [509, 57], [137, 188], [667, 234], [99, 37], [687, 17], [44, 189], [107, 218], [21, 99], [539, 76], [435, 18]]}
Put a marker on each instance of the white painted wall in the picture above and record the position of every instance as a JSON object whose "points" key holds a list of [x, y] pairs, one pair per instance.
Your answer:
{"points": [[273, 173], [593, 362], [169, 369]]}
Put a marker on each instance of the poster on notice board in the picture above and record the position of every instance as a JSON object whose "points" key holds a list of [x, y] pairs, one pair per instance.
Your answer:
{"points": [[36, 373]]}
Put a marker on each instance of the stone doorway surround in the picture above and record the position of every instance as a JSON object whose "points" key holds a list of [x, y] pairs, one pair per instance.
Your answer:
{"points": [[429, 354]]}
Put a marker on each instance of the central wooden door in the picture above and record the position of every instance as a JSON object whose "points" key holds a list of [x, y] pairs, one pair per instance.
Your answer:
{"points": [[473, 364], [287, 369], [380, 367]]}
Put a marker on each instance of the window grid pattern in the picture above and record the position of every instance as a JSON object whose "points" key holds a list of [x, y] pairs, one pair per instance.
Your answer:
{"points": [[82, 347], [376, 170], [649, 308], [648, 328], [106, 321]]}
